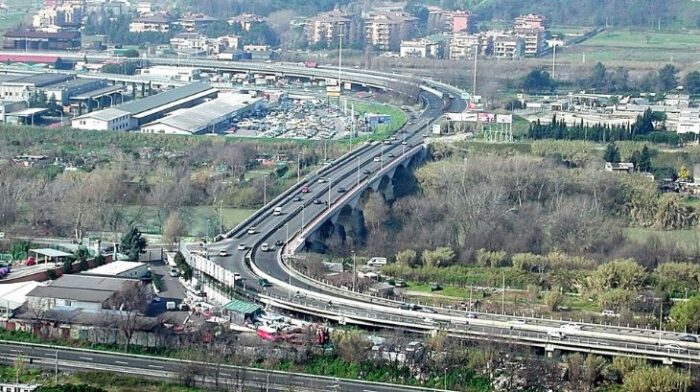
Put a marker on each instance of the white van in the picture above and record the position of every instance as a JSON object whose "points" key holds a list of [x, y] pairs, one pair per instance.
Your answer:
{"points": [[277, 211], [377, 261]]}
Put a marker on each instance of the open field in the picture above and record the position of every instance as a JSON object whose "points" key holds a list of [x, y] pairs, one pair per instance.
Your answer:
{"points": [[685, 239], [642, 46], [16, 12], [198, 221]]}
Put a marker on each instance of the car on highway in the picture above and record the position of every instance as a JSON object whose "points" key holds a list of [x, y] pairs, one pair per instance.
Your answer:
{"points": [[223, 253], [366, 171], [517, 322], [174, 272], [296, 198], [674, 347], [425, 134], [471, 315], [429, 310], [407, 306], [317, 201], [341, 190], [277, 211], [322, 180], [241, 247], [429, 321], [252, 230], [571, 326], [387, 141], [305, 189], [404, 143], [265, 247], [262, 282], [279, 243], [688, 338], [377, 159], [390, 155]]}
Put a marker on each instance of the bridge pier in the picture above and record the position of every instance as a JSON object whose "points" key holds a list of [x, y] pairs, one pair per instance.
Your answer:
{"points": [[551, 352]]}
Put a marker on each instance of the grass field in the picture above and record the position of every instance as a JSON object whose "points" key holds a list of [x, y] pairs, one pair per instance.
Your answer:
{"points": [[628, 46], [17, 11], [197, 220], [685, 239]]}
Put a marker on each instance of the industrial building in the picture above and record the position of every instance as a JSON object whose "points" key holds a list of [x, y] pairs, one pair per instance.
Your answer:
{"points": [[20, 88], [41, 40], [134, 114], [88, 293], [63, 91], [209, 117]]}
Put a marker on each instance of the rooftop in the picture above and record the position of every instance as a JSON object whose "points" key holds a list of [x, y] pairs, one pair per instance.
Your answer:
{"points": [[84, 288], [72, 83], [154, 101], [203, 115], [41, 80], [241, 307], [106, 114], [114, 268], [14, 295], [50, 252]]}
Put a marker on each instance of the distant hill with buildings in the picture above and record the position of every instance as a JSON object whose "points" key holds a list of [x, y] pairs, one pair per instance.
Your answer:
{"points": [[627, 13]]}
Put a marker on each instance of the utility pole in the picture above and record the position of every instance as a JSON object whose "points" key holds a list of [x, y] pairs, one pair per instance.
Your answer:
{"points": [[55, 370], [265, 190], [503, 294], [476, 57], [554, 59], [298, 166], [340, 63], [358, 183], [221, 217], [354, 272]]}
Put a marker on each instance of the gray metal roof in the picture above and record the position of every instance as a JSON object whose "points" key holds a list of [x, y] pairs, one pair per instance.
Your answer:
{"points": [[81, 288], [50, 252], [96, 93], [210, 113], [41, 80], [72, 83], [154, 101]]}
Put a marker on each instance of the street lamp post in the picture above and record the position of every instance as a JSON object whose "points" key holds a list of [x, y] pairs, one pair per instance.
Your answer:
{"points": [[354, 272], [287, 226], [302, 219], [330, 181], [358, 170]]}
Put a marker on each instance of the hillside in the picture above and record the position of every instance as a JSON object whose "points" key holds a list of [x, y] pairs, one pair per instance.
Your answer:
{"points": [[629, 13]]}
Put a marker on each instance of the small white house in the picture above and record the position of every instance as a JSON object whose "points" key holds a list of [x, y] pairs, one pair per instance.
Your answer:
{"points": [[120, 269]]}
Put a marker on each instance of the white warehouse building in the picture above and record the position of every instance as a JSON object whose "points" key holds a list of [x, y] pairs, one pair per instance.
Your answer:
{"points": [[105, 120], [209, 117], [120, 269]]}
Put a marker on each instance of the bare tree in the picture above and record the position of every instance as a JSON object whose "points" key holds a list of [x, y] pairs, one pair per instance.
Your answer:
{"points": [[129, 305]]}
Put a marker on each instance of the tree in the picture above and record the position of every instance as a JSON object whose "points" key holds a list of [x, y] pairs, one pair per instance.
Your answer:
{"points": [[129, 304], [537, 80], [686, 315], [173, 229], [440, 257], [133, 244], [407, 257], [612, 153], [691, 82], [667, 78], [672, 214], [684, 173], [553, 299], [352, 346], [624, 274], [644, 164]]}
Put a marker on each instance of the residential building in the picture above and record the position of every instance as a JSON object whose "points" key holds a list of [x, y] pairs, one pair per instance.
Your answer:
{"points": [[533, 31], [229, 42], [420, 48], [246, 21], [621, 167], [437, 19], [56, 18], [328, 27], [12, 387], [195, 22], [41, 40], [459, 21], [88, 293], [150, 23], [196, 43], [529, 21], [144, 8], [120, 269], [463, 45], [386, 30], [508, 46], [689, 122]]}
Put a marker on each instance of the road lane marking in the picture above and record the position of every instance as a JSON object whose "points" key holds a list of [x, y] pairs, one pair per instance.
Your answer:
{"points": [[155, 366], [121, 362], [86, 358], [225, 375], [15, 351]]}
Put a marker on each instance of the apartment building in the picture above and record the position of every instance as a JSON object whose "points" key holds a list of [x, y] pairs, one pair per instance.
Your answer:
{"points": [[463, 45], [386, 30], [531, 28], [458, 21], [151, 23], [198, 43], [328, 27], [508, 46], [52, 19], [195, 22], [246, 21], [420, 48]]}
